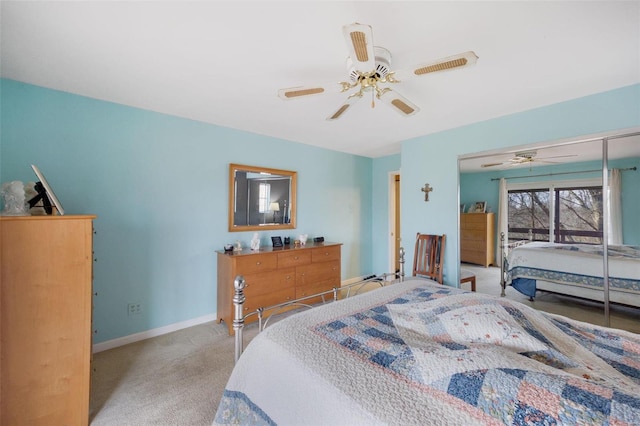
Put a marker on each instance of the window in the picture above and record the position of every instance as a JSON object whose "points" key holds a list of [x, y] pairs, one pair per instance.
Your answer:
{"points": [[264, 197], [563, 212], [529, 211], [578, 215]]}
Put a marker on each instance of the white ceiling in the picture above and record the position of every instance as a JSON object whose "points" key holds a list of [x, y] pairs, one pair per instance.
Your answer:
{"points": [[223, 62]]}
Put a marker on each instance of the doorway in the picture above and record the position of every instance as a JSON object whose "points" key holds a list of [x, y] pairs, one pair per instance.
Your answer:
{"points": [[394, 221]]}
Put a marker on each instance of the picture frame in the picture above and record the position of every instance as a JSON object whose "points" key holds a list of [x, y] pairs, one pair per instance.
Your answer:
{"points": [[47, 192], [479, 207], [462, 208], [276, 241]]}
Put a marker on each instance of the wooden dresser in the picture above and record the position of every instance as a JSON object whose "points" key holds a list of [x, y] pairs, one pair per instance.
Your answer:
{"points": [[477, 238], [45, 319], [276, 275]]}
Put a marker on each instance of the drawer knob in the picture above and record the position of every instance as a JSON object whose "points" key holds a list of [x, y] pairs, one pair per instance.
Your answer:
{"points": [[326, 253], [257, 263], [295, 258]]}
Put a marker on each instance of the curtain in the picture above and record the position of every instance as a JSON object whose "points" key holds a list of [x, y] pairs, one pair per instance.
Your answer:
{"points": [[615, 208], [503, 218]]}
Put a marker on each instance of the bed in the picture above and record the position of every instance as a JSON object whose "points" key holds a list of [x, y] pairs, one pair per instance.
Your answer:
{"points": [[575, 270], [418, 352]]}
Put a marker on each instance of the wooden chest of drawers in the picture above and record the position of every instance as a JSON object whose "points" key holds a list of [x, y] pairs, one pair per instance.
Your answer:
{"points": [[477, 238], [276, 275]]}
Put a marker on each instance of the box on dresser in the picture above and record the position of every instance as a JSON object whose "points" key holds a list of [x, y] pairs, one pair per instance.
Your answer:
{"points": [[276, 275]]}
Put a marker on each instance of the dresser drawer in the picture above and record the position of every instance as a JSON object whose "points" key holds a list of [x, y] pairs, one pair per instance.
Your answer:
{"points": [[294, 258], [257, 284], [315, 273], [479, 245], [473, 234], [269, 299], [308, 290], [325, 254], [256, 263]]}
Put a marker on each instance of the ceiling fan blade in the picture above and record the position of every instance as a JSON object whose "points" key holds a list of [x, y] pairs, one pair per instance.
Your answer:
{"points": [[359, 38], [344, 107], [556, 156], [302, 91], [398, 102], [449, 63], [461, 60], [491, 164]]}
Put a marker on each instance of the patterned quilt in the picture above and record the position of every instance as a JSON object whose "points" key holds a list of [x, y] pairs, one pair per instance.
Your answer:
{"points": [[427, 354]]}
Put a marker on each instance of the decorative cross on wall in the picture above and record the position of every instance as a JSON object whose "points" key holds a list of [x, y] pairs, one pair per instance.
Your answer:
{"points": [[426, 189]]}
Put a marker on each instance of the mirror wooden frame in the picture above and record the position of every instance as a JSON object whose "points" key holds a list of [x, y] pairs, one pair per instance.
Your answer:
{"points": [[233, 168]]}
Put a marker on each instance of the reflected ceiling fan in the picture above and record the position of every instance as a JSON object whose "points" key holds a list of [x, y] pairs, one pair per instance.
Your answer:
{"points": [[369, 67], [526, 157]]}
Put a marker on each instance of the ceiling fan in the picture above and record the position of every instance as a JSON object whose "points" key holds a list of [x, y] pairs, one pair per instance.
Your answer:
{"points": [[526, 157], [369, 67]]}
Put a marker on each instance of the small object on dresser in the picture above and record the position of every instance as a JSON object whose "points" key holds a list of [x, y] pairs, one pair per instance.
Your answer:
{"points": [[287, 241], [238, 246], [228, 248], [255, 242], [276, 241], [296, 243], [318, 239]]}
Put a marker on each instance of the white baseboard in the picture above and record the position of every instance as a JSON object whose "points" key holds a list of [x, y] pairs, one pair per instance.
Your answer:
{"points": [[120, 341]]}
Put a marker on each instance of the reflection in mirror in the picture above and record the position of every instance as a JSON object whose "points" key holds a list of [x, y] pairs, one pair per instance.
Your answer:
{"points": [[561, 199], [261, 198]]}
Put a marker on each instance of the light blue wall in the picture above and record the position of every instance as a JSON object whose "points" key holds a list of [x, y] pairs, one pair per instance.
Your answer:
{"points": [[479, 186], [159, 187], [434, 158]]}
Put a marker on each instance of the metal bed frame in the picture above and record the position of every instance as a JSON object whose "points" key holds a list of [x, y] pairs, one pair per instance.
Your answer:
{"points": [[239, 299], [505, 252]]}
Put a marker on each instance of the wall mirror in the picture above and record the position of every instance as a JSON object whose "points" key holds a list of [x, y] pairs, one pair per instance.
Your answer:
{"points": [[261, 198]]}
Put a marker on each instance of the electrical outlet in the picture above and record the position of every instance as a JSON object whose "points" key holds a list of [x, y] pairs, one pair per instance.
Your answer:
{"points": [[134, 308]]}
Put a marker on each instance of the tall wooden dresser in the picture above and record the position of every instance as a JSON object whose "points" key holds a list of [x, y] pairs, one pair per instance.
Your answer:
{"points": [[45, 319], [276, 275], [477, 238]]}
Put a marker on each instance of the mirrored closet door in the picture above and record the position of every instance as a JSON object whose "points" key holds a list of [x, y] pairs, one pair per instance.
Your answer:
{"points": [[552, 200]]}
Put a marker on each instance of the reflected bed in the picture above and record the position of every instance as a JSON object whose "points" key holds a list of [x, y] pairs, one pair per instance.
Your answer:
{"points": [[575, 270]]}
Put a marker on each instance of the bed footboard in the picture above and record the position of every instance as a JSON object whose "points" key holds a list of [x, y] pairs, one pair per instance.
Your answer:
{"points": [[239, 299], [504, 265]]}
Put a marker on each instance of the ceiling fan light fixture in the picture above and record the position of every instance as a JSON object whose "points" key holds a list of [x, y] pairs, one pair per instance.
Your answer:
{"points": [[526, 154], [382, 62], [369, 71]]}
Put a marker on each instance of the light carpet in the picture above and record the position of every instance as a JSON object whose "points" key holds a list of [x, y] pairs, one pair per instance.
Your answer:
{"points": [[174, 379]]}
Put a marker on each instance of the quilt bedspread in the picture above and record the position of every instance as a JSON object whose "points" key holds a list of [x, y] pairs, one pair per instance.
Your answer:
{"points": [[576, 264], [427, 354]]}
